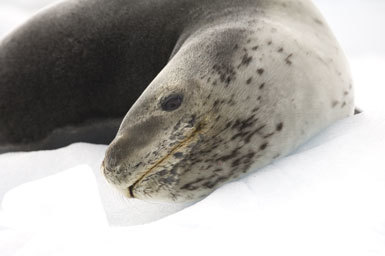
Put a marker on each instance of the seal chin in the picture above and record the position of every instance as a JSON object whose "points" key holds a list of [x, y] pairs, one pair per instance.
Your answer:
{"points": [[153, 181], [127, 191]]}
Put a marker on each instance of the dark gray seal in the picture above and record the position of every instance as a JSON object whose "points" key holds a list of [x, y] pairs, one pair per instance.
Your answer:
{"points": [[233, 85]]}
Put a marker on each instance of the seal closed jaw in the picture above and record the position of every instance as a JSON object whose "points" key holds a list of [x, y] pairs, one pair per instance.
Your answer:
{"points": [[196, 132], [131, 191]]}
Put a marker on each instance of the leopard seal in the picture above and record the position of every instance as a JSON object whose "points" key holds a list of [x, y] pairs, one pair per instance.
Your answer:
{"points": [[215, 89], [245, 88]]}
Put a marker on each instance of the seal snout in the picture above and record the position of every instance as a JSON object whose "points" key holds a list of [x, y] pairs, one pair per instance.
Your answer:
{"points": [[124, 163], [114, 156], [112, 175], [116, 167]]}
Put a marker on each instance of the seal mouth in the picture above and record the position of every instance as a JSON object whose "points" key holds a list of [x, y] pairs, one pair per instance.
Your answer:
{"points": [[195, 133], [131, 191]]}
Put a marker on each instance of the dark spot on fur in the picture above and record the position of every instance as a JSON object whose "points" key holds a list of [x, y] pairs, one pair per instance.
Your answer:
{"points": [[318, 21], [255, 48], [249, 80], [247, 122], [262, 85], [246, 160], [178, 155], [279, 126], [250, 135], [334, 103], [190, 186], [231, 102], [255, 109], [260, 71], [263, 146], [269, 43], [236, 124], [250, 155], [240, 134], [209, 184], [236, 162], [343, 104], [232, 154], [280, 49], [216, 102], [246, 59], [192, 121], [268, 135], [287, 59], [212, 184], [226, 73]]}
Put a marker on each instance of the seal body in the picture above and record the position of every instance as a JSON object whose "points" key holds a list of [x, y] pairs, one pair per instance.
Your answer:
{"points": [[233, 85], [73, 71]]}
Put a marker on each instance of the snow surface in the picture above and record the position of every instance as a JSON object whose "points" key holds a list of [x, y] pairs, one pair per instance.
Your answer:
{"points": [[327, 198]]}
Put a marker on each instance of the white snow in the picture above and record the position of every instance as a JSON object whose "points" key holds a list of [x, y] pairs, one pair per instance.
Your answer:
{"points": [[327, 198]]}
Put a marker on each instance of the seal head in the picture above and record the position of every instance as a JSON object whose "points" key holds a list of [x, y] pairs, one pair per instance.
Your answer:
{"points": [[233, 98], [166, 133]]}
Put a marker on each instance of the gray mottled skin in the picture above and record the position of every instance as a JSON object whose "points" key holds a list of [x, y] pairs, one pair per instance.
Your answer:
{"points": [[259, 77]]}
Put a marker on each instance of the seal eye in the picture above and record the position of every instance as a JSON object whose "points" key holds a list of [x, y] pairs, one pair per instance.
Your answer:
{"points": [[172, 102]]}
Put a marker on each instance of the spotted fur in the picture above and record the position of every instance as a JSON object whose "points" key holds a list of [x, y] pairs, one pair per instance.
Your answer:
{"points": [[254, 89]]}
